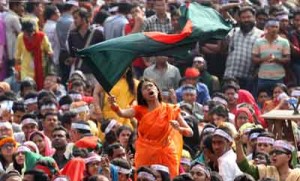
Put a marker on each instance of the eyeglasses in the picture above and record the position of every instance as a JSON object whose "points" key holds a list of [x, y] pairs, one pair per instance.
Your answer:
{"points": [[8, 145], [278, 152]]}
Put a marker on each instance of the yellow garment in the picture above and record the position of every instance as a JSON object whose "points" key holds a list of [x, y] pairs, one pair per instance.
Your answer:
{"points": [[32, 18], [27, 61], [124, 100], [271, 171]]}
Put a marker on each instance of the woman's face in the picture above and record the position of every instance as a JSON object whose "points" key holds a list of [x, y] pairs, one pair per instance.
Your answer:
{"points": [[40, 143], [264, 147], [124, 137], [218, 120], [276, 92], [20, 158], [241, 119], [149, 91], [93, 168], [7, 149]]}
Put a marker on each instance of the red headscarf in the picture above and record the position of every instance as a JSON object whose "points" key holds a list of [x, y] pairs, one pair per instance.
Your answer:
{"points": [[74, 169], [49, 151], [244, 110]]}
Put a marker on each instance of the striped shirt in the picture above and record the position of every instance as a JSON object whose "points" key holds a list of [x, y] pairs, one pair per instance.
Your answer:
{"points": [[279, 48], [161, 25]]}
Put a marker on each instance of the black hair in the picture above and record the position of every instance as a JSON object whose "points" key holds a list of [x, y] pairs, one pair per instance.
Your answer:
{"points": [[215, 176], [231, 85], [26, 84], [226, 130], [45, 95], [50, 164], [245, 9], [281, 86], [244, 177], [261, 11], [83, 131], [265, 155], [67, 7], [220, 110], [112, 147], [65, 100], [67, 117], [28, 115], [80, 152], [124, 8], [13, 4], [183, 177], [30, 6], [8, 96], [100, 17], [37, 175], [140, 99], [266, 134], [262, 90], [58, 79], [83, 13], [275, 9], [77, 83], [296, 12], [31, 94], [61, 128], [207, 142], [267, 179], [122, 128], [46, 101], [12, 173], [50, 10], [219, 94], [130, 81], [19, 106]]}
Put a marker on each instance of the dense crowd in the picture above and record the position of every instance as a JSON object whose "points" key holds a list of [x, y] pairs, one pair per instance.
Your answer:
{"points": [[193, 119]]}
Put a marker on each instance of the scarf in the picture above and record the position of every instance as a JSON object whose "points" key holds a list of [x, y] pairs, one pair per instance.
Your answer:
{"points": [[34, 46]]}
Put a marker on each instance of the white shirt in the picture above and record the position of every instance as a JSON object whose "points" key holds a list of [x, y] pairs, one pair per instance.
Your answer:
{"points": [[228, 168], [50, 31], [13, 28]]}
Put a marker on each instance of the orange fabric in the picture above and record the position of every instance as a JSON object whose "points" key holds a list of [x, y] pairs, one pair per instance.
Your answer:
{"points": [[74, 169], [171, 38], [157, 141]]}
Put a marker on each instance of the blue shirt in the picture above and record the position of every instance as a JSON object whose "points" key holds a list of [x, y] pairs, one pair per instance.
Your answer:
{"points": [[62, 28], [114, 26], [202, 93]]}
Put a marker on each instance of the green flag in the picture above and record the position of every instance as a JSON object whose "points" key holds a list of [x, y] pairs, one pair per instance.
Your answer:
{"points": [[110, 59]]}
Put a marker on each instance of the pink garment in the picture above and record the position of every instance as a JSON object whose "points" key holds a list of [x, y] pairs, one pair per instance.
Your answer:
{"points": [[49, 151], [246, 97]]}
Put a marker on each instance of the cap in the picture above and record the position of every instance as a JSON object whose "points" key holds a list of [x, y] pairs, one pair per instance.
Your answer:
{"points": [[73, 2], [191, 73]]}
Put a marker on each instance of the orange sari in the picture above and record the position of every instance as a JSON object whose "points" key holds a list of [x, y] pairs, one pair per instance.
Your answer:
{"points": [[158, 142]]}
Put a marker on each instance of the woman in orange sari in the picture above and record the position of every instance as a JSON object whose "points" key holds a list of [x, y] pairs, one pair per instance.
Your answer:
{"points": [[160, 128]]}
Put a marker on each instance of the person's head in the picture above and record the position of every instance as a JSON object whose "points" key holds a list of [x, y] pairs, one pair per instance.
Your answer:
{"points": [[200, 172], [272, 27], [123, 134], [7, 146], [6, 129], [281, 155], [50, 121], [69, 7], [64, 103], [296, 20], [79, 129], [78, 86], [283, 19], [29, 124], [261, 158], [100, 17], [40, 140], [116, 150], [162, 172], [252, 136], [18, 7], [82, 18], [160, 7], [231, 92], [67, 118], [123, 167], [161, 60], [221, 140], [191, 76], [278, 89], [199, 63], [184, 177], [175, 15], [262, 96], [27, 86], [48, 105], [30, 102], [124, 8], [219, 115], [265, 142], [147, 91], [12, 175], [35, 175], [189, 94], [261, 18], [36, 8], [19, 156], [19, 111], [60, 138], [98, 178], [220, 98], [51, 13], [82, 109], [247, 18], [51, 81], [93, 163], [242, 116], [244, 177], [145, 174]]}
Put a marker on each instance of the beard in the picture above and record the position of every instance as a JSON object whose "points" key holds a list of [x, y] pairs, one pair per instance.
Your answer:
{"points": [[246, 27]]}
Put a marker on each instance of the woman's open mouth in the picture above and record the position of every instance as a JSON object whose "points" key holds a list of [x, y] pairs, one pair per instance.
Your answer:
{"points": [[151, 93]]}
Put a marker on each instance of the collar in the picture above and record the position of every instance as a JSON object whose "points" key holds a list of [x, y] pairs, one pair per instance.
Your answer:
{"points": [[167, 18], [274, 41], [227, 155]]}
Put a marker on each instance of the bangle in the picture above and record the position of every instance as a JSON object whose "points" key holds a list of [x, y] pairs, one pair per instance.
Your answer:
{"points": [[115, 108]]}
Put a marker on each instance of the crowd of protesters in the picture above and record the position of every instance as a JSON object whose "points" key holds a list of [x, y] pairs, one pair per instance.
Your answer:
{"points": [[198, 119]]}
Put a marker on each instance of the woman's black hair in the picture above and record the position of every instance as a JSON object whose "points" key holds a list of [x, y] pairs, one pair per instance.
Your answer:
{"points": [[220, 110], [122, 128], [130, 81], [140, 99], [244, 177], [17, 166]]}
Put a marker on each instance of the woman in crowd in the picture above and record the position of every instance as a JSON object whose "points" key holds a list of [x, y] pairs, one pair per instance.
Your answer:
{"points": [[43, 143], [7, 145], [160, 125]]}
